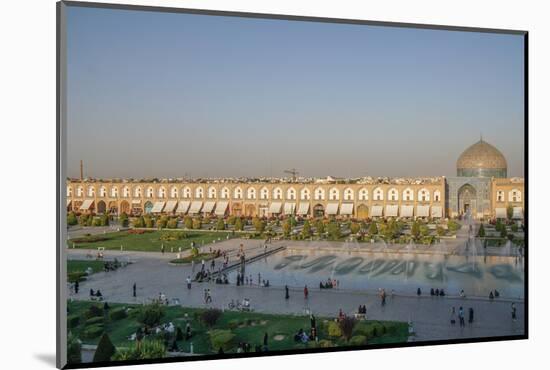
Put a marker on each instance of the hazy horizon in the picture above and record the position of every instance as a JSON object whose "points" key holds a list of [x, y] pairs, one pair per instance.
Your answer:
{"points": [[172, 95]]}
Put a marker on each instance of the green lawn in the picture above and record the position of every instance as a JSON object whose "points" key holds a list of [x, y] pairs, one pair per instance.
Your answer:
{"points": [[247, 327], [76, 270], [147, 242]]}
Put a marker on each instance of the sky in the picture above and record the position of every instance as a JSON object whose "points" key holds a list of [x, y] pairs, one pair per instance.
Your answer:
{"points": [[172, 95]]}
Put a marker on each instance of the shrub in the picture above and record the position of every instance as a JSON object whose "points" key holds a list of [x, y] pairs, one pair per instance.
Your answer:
{"points": [[346, 326], [172, 223], [123, 219], [221, 339], [73, 320], [71, 219], [151, 349], [93, 311], [179, 333], [94, 320], [197, 223], [231, 220], [334, 330], [306, 229], [440, 231], [239, 226], [210, 316], [453, 226], [188, 222], [481, 232], [149, 223], [172, 235], [162, 222], [358, 340], [373, 228], [259, 225], [74, 350], [354, 227], [150, 315], [325, 343], [118, 314], [220, 224], [92, 331], [105, 349], [514, 228], [76, 276], [333, 229]]}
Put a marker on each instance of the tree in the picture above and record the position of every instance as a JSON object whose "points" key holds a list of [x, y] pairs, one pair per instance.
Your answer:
{"points": [[104, 220], [354, 227], [481, 231], [172, 223], [239, 226], [286, 228], [453, 226], [210, 317], [440, 231], [197, 223], [320, 226], [72, 219], [105, 349], [373, 229], [123, 219], [424, 230], [150, 315], [231, 220], [346, 326], [188, 222], [306, 230], [259, 225], [415, 230], [220, 224], [503, 232], [510, 212]]}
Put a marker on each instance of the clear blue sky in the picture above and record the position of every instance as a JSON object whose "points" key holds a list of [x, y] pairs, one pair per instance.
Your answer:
{"points": [[164, 95]]}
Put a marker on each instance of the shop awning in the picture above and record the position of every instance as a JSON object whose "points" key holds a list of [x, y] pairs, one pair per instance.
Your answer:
{"points": [[86, 205], [208, 207], [346, 209], [136, 201], [303, 209], [157, 207], [500, 212], [183, 206], [195, 207], [221, 207], [517, 214], [423, 211], [407, 211], [289, 208], [170, 206], [437, 212], [391, 210], [376, 211], [275, 207], [332, 209], [68, 202]]}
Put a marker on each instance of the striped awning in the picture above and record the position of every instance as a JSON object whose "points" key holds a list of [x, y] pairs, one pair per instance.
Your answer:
{"points": [[136, 201], [332, 209], [303, 209], [195, 207], [407, 211], [183, 206], [517, 213], [289, 208], [157, 207], [208, 207], [437, 212], [376, 211], [221, 207], [86, 204], [275, 207], [391, 210], [68, 202], [423, 211], [346, 209], [500, 212], [170, 206]]}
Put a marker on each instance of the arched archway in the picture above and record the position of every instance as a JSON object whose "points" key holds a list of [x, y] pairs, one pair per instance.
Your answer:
{"points": [[319, 211], [467, 199], [125, 207], [113, 208], [236, 209], [250, 210], [362, 211], [148, 207], [101, 207]]}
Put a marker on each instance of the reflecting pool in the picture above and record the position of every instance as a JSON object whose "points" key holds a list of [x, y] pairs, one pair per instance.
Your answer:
{"points": [[404, 273]]}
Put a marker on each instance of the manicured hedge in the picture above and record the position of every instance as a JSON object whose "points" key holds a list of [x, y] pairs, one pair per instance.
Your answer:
{"points": [[118, 314], [92, 331]]}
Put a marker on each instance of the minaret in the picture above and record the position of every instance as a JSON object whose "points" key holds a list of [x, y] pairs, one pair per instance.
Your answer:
{"points": [[81, 171]]}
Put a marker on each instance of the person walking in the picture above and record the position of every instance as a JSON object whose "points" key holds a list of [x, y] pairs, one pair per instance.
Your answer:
{"points": [[306, 292], [134, 290], [76, 287], [286, 292], [419, 292], [461, 317], [470, 315], [188, 282], [453, 315], [514, 312], [162, 249]]}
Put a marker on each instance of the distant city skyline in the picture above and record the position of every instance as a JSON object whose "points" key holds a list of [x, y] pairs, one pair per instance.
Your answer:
{"points": [[171, 95]]}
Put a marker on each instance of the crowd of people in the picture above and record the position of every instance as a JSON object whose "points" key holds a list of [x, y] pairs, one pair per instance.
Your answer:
{"points": [[329, 284]]}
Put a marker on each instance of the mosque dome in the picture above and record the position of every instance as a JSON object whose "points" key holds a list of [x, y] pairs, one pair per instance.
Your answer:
{"points": [[481, 160]]}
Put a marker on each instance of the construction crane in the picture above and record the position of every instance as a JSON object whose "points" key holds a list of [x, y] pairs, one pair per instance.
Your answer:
{"points": [[293, 172]]}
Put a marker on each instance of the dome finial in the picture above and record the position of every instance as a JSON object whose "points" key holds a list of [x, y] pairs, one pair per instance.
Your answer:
{"points": [[480, 137]]}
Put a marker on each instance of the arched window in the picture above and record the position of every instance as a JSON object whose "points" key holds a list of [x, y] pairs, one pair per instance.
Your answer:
{"points": [[363, 194], [186, 192], [291, 194], [305, 194], [251, 193], [393, 194], [174, 192], [437, 196], [238, 193], [91, 191], [162, 192], [211, 192], [264, 193], [319, 194], [408, 195], [114, 192], [150, 192], [514, 195], [126, 192], [80, 191], [378, 194], [137, 192], [103, 191], [333, 194], [424, 195], [277, 193], [348, 194], [199, 192], [500, 196], [225, 193], [69, 191]]}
